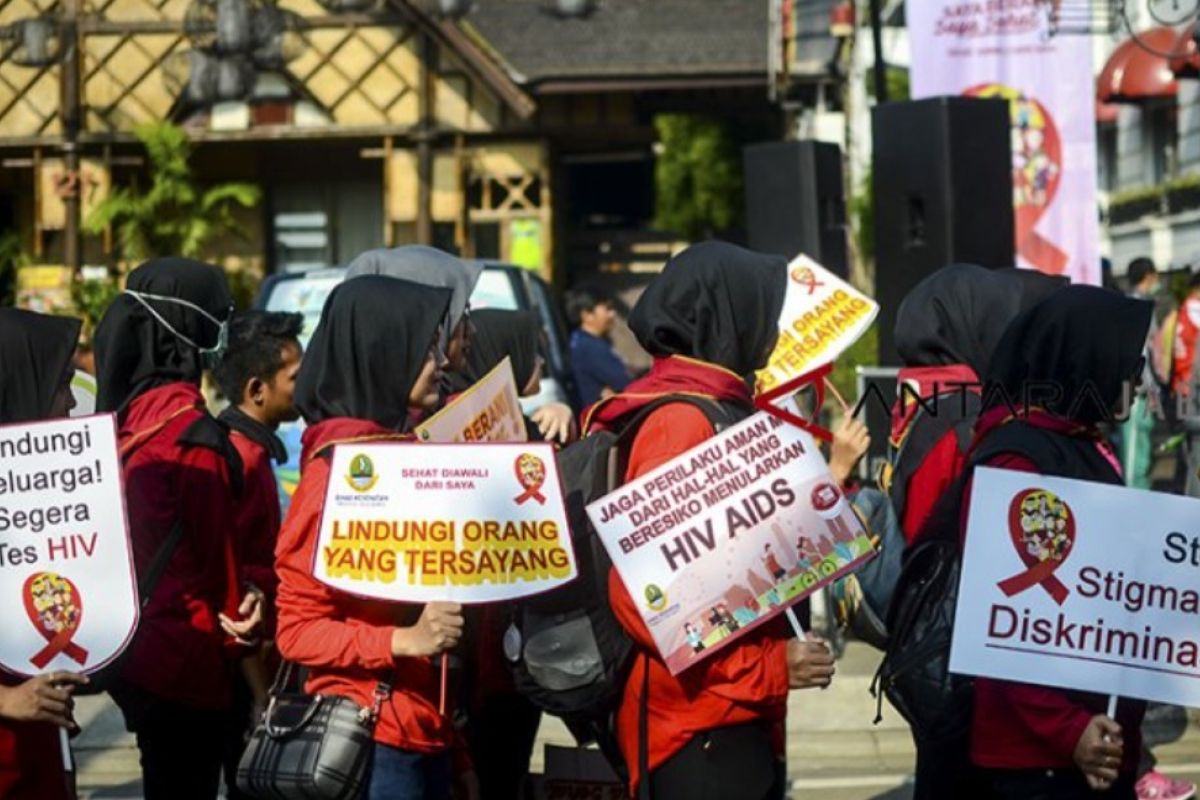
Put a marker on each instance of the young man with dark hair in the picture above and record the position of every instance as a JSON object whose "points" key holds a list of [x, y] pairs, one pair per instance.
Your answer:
{"points": [[599, 373], [258, 377]]}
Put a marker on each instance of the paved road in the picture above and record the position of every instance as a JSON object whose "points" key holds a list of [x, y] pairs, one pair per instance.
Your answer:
{"points": [[834, 752]]}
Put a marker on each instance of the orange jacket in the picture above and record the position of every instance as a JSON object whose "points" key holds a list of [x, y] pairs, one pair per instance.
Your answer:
{"points": [[745, 682], [346, 641]]}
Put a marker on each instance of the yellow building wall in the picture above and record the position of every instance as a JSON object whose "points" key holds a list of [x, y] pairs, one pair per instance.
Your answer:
{"points": [[366, 77]]}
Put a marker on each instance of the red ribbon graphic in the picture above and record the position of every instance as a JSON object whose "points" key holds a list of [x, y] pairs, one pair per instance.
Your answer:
{"points": [[807, 278], [55, 608], [766, 400], [531, 474], [1042, 528], [1037, 173]]}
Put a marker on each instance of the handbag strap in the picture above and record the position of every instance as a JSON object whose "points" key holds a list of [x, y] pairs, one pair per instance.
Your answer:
{"points": [[283, 676]]}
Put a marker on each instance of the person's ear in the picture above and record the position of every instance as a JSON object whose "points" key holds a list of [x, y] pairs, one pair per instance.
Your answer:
{"points": [[256, 390]]}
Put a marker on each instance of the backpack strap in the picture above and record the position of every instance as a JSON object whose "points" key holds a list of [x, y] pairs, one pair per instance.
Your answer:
{"points": [[924, 432], [208, 432], [645, 791], [721, 414]]}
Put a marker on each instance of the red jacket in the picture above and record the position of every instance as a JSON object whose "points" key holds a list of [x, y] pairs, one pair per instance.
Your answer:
{"points": [[1022, 726], [748, 680], [179, 652], [346, 641], [31, 765], [256, 516], [944, 462], [1187, 329]]}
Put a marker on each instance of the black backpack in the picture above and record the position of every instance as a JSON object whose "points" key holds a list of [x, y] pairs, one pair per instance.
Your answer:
{"points": [[865, 596], [915, 671], [570, 656]]}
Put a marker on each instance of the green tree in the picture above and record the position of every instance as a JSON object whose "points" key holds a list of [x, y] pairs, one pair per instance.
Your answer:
{"points": [[697, 176], [175, 215]]}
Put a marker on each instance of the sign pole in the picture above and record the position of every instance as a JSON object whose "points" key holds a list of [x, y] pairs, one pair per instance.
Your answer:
{"points": [[65, 742], [797, 628], [445, 683]]}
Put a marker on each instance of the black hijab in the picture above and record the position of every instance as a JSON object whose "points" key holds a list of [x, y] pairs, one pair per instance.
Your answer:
{"points": [[368, 350], [716, 302], [1084, 339], [35, 351], [1035, 284], [956, 316], [136, 352], [499, 333]]}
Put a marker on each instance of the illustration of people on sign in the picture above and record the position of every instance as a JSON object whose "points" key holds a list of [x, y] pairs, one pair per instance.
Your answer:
{"points": [[694, 639], [774, 568], [807, 553]]}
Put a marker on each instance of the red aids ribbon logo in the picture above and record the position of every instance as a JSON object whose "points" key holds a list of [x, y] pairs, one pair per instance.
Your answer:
{"points": [[55, 609], [1037, 172], [766, 401], [1042, 528], [807, 278], [531, 474]]}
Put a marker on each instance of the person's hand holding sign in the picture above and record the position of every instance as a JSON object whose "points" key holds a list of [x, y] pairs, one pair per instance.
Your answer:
{"points": [[810, 663], [850, 443], [46, 698], [556, 422], [1098, 752], [439, 629]]}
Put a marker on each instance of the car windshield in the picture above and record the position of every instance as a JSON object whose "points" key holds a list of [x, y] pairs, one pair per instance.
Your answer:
{"points": [[306, 295]]}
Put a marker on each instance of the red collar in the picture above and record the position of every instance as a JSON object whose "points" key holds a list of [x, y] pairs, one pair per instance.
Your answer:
{"points": [[154, 408], [928, 382], [1039, 418], [668, 376], [343, 430]]}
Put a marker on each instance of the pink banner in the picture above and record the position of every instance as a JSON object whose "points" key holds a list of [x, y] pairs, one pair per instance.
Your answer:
{"points": [[1002, 48]]}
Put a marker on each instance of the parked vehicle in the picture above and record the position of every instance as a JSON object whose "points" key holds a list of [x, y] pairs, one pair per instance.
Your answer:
{"points": [[500, 286]]}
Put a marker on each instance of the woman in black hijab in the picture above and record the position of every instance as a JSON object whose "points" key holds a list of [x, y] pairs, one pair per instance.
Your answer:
{"points": [[497, 333], [35, 383], [374, 354], [179, 470], [711, 320], [36, 365], [1058, 375], [947, 329], [167, 326]]}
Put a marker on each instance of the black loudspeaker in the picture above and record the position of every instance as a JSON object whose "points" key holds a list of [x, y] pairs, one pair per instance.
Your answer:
{"points": [[795, 202], [943, 194]]}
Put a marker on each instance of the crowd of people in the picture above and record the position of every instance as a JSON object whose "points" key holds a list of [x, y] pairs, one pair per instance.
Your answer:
{"points": [[227, 581]]}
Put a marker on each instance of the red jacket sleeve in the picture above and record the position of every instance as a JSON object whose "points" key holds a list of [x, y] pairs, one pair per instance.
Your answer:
{"points": [[1047, 712], [313, 629]]}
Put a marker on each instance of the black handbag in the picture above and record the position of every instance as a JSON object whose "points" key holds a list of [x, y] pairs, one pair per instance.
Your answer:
{"points": [[310, 747]]}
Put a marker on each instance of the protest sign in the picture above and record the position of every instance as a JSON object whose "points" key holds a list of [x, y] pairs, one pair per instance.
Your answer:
{"points": [[728, 535], [65, 558], [460, 523], [822, 316], [489, 411], [1082, 586]]}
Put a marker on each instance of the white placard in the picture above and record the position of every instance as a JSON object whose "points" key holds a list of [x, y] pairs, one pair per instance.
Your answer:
{"points": [[425, 522], [1080, 585], [67, 580], [728, 535]]}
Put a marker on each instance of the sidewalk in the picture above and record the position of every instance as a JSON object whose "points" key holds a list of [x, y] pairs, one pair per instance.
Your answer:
{"points": [[834, 752]]}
